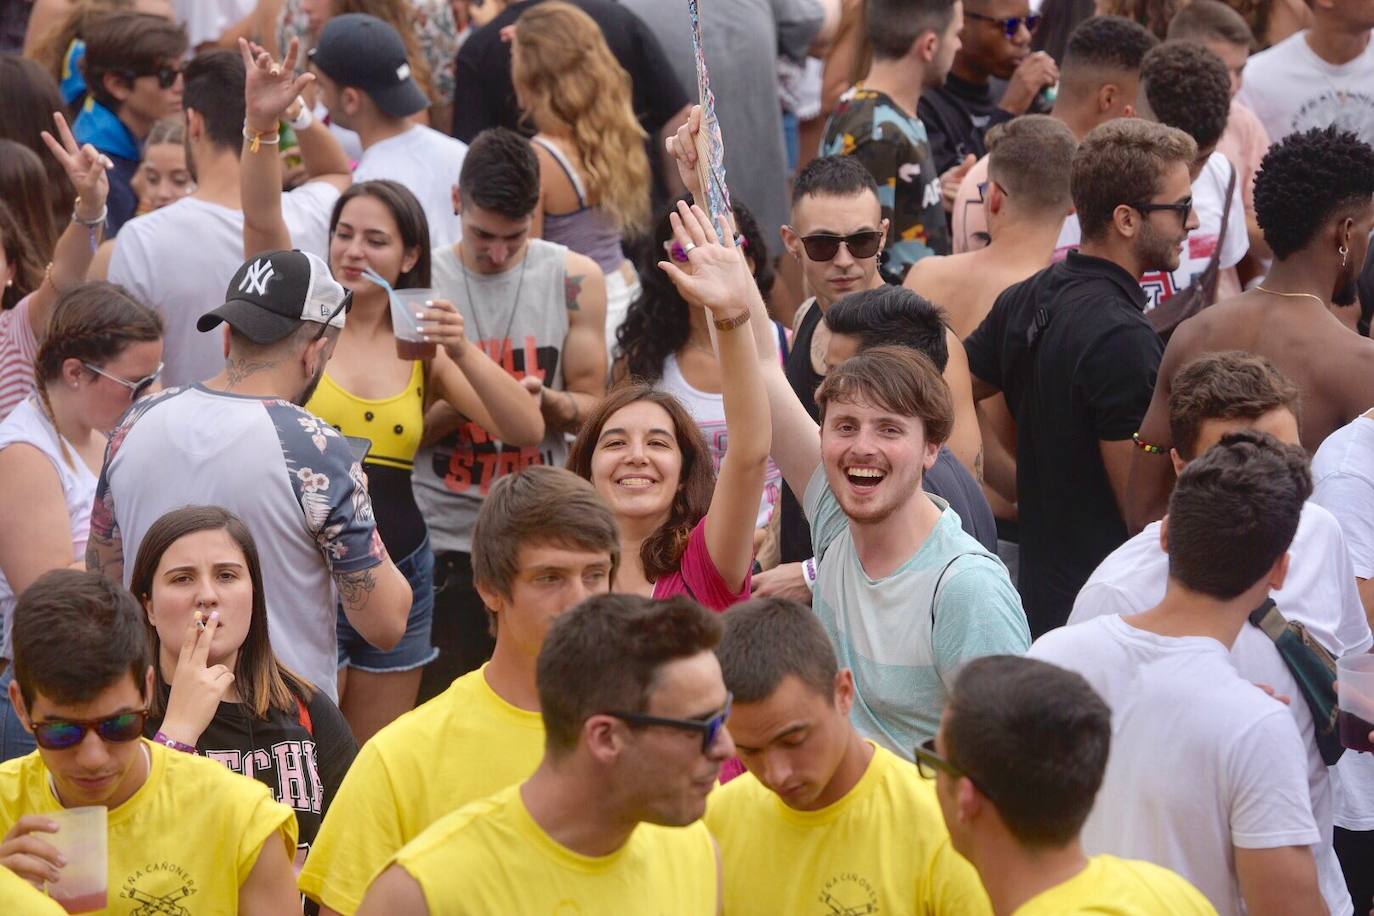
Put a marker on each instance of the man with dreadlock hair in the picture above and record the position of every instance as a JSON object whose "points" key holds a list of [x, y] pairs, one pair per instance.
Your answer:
{"points": [[1314, 199]]}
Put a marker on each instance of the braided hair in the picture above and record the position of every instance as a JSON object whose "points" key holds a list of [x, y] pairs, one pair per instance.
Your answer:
{"points": [[92, 322]]}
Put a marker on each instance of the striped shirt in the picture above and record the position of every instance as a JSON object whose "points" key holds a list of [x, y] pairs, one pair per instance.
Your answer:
{"points": [[18, 350]]}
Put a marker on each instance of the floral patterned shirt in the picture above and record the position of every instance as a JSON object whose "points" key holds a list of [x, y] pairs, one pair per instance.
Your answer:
{"points": [[289, 475]]}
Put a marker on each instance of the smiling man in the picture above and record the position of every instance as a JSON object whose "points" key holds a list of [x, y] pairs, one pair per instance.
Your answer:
{"points": [[822, 813]]}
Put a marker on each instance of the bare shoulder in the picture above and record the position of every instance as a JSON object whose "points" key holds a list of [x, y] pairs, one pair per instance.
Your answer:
{"points": [[584, 286], [579, 265]]}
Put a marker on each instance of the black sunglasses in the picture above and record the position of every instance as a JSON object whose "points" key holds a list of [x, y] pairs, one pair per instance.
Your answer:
{"points": [[1010, 26], [928, 763], [825, 247], [1183, 208], [60, 734], [709, 728], [166, 76], [345, 306]]}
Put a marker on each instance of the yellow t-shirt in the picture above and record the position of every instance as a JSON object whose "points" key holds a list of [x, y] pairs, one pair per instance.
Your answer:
{"points": [[19, 896], [1120, 887], [491, 857], [883, 848], [187, 838], [461, 746]]}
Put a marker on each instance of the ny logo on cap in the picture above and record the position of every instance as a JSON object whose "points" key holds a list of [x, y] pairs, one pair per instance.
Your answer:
{"points": [[255, 280]]}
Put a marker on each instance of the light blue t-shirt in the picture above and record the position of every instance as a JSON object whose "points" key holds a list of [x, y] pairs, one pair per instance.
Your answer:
{"points": [[904, 658]]}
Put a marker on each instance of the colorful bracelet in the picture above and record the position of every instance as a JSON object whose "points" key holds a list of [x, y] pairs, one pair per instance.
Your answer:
{"points": [[174, 744], [256, 138], [809, 572], [1147, 447]]}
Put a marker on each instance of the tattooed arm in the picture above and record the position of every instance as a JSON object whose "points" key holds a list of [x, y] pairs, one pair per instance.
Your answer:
{"points": [[377, 602], [584, 349]]}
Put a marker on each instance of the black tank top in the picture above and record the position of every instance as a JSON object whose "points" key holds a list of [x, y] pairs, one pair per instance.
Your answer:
{"points": [[794, 534]]}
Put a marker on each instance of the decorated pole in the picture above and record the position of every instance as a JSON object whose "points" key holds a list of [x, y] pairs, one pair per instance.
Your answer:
{"points": [[710, 145]]}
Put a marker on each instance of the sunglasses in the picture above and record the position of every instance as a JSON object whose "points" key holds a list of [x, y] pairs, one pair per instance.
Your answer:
{"points": [[929, 763], [679, 254], [1183, 208], [1011, 25], [825, 247], [345, 306], [166, 76], [136, 387], [60, 734], [708, 728]]}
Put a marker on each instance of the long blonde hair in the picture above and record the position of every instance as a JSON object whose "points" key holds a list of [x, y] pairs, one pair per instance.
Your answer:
{"points": [[570, 83]]}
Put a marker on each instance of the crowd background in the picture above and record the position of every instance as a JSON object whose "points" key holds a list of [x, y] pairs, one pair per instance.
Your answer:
{"points": [[414, 502]]}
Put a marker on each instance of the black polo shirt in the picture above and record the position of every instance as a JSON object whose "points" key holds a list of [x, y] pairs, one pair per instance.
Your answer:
{"points": [[1087, 377], [484, 96]]}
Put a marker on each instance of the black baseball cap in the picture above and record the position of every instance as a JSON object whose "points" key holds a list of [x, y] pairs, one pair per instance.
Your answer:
{"points": [[364, 52], [271, 294]]}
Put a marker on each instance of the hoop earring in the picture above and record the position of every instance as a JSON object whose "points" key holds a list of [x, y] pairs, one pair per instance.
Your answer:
{"points": [[1345, 254]]}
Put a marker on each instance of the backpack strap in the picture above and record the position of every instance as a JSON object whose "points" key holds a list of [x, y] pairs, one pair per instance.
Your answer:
{"points": [[304, 713], [935, 593]]}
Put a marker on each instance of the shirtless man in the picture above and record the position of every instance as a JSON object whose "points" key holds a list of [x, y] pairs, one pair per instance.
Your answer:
{"points": [[1026, 200], [1314, 198]]}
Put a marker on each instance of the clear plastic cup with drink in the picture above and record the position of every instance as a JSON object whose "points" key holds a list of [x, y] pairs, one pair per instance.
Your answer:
{"points": [[406, 307], [82, 839], [1355, 700]]}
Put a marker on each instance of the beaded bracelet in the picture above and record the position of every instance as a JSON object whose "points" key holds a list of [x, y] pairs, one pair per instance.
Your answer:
{"points": [[1145, 446]]}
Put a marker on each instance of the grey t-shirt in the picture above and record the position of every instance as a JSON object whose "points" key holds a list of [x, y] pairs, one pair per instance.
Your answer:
{"points": [[742, 41], [520, 318]]}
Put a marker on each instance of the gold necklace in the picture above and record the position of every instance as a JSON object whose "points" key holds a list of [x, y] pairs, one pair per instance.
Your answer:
{"points": [[1274, 292]]}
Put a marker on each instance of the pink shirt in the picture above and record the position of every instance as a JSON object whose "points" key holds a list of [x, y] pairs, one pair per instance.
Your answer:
{"points": [[697, 576], [18, 350]]}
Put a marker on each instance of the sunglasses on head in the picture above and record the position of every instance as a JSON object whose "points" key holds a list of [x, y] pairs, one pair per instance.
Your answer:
{"points": [[1011, 25], [60, 734], [710, 728], [825, 247], [136, 386], [166, 76], [345, 306]]}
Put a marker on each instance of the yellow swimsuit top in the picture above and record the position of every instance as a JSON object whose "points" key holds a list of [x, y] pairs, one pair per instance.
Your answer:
{"points": [[394, 424]]}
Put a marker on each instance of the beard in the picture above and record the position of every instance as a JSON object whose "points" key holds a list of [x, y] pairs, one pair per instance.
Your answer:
{"points": [[310, 387], [1156, 250]]}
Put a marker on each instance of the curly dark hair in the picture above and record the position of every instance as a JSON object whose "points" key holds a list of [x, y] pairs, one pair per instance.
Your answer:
{"points": [[1307, 179], [1188, 86], [657, 324]]}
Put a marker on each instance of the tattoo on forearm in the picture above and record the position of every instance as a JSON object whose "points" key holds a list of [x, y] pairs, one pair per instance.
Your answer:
{"points": [[572, 288], [356, 588], [978, 466], [97, 549], [236, 370]]}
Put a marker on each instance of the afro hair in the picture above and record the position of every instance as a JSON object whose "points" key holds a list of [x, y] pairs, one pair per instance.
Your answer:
{"points": [[1188, 86], [1306, 179]]}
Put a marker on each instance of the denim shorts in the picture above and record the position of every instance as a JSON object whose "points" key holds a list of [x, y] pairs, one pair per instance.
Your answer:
{"points": [[415, 649]]}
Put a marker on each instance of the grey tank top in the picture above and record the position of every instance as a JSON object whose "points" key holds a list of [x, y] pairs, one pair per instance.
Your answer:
{"points": [[526, 337], [587, 230]]}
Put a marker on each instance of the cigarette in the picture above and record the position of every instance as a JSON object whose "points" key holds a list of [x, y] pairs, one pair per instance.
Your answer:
{"points": [[200, 621]]}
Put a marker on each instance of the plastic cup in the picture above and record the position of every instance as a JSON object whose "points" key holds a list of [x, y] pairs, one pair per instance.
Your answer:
{"points": [[1355, 701], [406, 304], [81, 837]]}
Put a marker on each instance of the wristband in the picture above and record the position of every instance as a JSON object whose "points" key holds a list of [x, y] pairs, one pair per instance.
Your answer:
{"points": [[729, 324], [303, 120], [174, 744], [809, 572], [257, 138], [89, 223]]}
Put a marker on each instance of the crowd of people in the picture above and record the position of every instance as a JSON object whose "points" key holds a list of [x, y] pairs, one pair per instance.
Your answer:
{"points": [[419, 498]]}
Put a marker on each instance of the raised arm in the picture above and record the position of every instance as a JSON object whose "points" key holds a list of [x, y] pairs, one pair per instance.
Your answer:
{"points": [[86, 168], [717, 279], [796, 447], [269, 90], [469, 380]]}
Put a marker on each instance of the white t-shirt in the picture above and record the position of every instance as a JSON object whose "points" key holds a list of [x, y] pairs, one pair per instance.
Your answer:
{"points": [[1291, 89], [179, 260], [709, 412], [1343, 481], [1209, 195], [207, 20], [1202, 761], [28, 425], [427, 162], [1319, 592], [288, 474]]}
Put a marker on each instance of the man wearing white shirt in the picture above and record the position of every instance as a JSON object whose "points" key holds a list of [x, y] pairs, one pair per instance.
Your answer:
{"points": [[1320, 77], [365, 82], [1343, 481], [1207, 774], [1215, 395], [178, 260]]}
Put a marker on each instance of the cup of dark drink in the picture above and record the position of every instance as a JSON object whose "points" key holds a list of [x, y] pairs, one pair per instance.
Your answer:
{"points": [[1355, 701], [406, 307]]}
